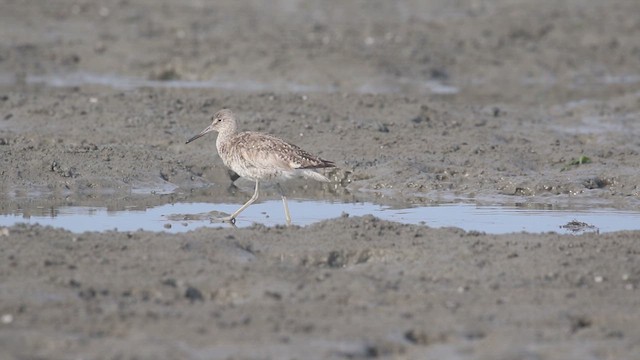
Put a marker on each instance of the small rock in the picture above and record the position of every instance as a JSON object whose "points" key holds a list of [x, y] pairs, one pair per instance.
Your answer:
{"points": [[193, 294], [170, 282], [336, 259], [416, 337], [87, 294], [6, 318]]}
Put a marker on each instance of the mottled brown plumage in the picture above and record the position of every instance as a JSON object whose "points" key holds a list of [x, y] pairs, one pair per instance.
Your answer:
{"points": [[261, 157]]}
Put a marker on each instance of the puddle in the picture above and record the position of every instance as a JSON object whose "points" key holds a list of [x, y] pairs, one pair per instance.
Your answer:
{"points": [[182, 217], [381, 85], [378, 85], [121, 82]]}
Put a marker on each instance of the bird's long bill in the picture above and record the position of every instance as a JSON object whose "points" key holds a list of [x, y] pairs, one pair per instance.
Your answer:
{"points": [[209, 128]]}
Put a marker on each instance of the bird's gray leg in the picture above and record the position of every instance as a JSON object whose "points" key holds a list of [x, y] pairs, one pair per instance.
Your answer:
{"points": [[232, 217], [287, 215]]}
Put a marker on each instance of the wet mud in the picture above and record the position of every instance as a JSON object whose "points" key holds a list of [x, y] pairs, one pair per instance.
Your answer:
{"points": [[503, 102]]}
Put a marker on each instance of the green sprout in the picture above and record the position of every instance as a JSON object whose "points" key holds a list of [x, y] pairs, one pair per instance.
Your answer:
{"points": [[575, 162]]}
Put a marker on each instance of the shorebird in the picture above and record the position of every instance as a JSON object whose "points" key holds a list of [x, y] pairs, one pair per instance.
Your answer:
{"points": [[260, 157]]}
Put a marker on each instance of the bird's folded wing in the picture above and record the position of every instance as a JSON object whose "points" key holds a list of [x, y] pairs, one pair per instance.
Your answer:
{"points": [[269, 152]]}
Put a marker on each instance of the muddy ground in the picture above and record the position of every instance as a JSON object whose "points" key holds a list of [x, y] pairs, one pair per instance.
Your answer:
{"points": [[416, 102]]}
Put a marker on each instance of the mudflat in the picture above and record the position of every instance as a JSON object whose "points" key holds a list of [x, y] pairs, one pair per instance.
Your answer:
{"points": [[530, 102]]}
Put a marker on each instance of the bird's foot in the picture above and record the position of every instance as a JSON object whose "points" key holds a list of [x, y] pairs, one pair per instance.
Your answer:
{"points": [[225, 219], [229, 219]]}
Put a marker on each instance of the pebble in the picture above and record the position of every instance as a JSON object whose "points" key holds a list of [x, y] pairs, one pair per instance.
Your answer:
{"points": [[193, 294], [6, 318], [625, 277]]}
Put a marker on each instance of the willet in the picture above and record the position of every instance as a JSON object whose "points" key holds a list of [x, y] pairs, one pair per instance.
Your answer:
{"points": [[261, 157]]}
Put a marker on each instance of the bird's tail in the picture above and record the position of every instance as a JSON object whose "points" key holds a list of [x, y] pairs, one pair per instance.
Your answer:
{"points": [[310, 174]]}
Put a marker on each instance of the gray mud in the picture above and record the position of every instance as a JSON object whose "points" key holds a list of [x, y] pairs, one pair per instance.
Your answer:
{"points": [[503, 102]]}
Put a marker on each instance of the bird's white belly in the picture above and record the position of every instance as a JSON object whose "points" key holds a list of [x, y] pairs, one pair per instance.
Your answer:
{"points": [[254, 173]]}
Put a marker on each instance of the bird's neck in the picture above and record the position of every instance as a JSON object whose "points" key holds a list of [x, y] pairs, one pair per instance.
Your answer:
{"points": [[225, 135]]}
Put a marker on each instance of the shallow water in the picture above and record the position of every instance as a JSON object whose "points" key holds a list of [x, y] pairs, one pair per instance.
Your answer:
{"points": [[382, 85], [182, 217]]}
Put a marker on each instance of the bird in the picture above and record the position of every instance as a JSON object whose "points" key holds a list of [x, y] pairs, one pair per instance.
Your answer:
{"points": [[261, 157]]}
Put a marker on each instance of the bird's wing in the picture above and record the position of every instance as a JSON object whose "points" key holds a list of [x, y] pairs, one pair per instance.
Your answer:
{"points": [[268, 152]]}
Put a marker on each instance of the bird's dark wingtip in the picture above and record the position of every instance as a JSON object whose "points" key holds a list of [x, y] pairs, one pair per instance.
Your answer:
{"points": [[321, 164], [325, 164]]}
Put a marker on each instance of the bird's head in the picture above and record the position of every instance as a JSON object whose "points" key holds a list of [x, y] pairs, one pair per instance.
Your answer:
{"points": [[222, 121]]}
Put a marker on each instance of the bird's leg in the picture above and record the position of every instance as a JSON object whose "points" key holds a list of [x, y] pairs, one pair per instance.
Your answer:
{"points": [[287, 215], [232, 217]]}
